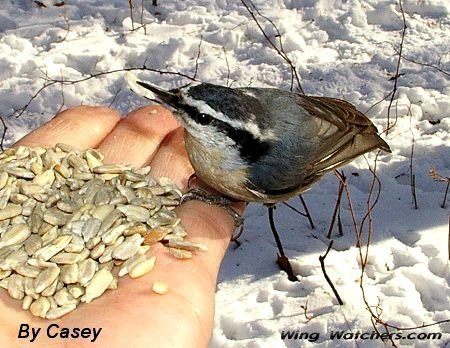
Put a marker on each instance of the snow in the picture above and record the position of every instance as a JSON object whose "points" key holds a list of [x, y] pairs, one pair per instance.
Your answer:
{"points": [[345, 49]]}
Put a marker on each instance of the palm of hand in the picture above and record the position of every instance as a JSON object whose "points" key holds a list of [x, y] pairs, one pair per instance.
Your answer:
{"points": [[134, 315]]}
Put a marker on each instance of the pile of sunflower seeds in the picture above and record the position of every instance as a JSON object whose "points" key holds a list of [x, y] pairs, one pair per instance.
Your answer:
{"points": [[66, 219]]}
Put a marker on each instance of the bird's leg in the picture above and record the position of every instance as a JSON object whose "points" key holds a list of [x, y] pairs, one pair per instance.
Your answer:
{"points": [[199, 194], [282, 260], [305, 207]]}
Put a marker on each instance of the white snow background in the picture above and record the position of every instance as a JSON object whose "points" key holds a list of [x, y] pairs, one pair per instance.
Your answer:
{"points": [[341, 48]]}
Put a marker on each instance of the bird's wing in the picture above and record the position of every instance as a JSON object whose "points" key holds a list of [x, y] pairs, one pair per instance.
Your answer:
{"points": [[353, 133]]}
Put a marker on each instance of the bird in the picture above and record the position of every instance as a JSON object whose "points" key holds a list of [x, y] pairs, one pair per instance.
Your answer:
{"points": [[265, 145]]}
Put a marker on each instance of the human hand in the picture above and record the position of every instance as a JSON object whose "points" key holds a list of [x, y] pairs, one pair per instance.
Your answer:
{"points": [[133, 315]]}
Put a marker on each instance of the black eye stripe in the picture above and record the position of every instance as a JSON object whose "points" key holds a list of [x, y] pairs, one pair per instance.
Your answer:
{"points": [[203, 119], [250, 148], [198, 117]]}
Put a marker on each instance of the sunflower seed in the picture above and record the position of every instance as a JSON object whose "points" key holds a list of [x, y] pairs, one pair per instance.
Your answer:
{"points": [[98, 285], [3, 179], [69, 274], [186, 245], [40, 307], [4, 274], [128, 248], [19, 172], [62, 209], [50, 290], [15, 287], [46, 178], [27, 301], [156, 234], [46, 278], [86, 270], [63, 297], [134, 212], [15, 235], [180, 253], [10, 211], [5, 194], [52, 249], [58, 312], [66, 258], [76, 290], [27, 270], [143, 267], [110, 169], [160, 288], [33, 244], [130, 263], [67, 205], [56, 217], [29, 288], [110, 236]]}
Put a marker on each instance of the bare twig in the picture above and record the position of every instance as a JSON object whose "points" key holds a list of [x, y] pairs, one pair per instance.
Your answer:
{"points": [[305, 311], [142, 17], [337, 205], [397, 70], [322, 266], [5, 128], [254, 12], [436, 176], [427, 65], [131, 5], [412, 177], [445, 195], [305, 214], [198, 57], [50, 82], [66, 19], [308, 215], [228, 67]]}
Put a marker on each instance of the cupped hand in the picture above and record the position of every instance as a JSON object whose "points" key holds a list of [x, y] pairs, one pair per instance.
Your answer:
{"points": [[133, 315]]}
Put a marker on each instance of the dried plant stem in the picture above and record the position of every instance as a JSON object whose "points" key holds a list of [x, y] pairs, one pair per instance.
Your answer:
{"points": [[445, 195], [322, 266], [397, 71], [336, 207], [254, 12], [306, 214]]}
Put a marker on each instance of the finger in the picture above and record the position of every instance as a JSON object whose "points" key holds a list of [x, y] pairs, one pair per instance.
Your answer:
{"points": [[209, 225], [81, 127], [136, 138], [172, 161]]}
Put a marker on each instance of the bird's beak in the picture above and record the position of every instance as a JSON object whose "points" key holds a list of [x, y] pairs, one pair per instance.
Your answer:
{"points": [[168, 97], [152, 92]]}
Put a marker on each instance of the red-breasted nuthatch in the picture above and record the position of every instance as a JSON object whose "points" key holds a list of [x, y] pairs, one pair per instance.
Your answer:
{"points": [[264, 144]]}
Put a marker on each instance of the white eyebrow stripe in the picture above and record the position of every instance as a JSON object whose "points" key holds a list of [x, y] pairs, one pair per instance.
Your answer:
{"points": [[250, 126]]}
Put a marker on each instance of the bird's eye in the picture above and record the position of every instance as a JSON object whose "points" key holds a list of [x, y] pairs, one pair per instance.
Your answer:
{"points": [[203, 119]]}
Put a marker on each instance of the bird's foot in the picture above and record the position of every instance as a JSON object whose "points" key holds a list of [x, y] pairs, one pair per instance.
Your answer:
{"points": [[222, 201], [285, 265]]}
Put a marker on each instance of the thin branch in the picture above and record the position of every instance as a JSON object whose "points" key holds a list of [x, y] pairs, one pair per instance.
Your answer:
{"points": [[228, 67], [322, 266], [198, 57], [412, 182], [397, 70], [336, 207], [66, 19], [436, 176], [427, 65], [280, 51], [5, 128], [131, 6]]}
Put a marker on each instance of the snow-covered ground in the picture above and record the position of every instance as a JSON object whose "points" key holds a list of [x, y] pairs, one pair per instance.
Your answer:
{"points": [[342, 48]]}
